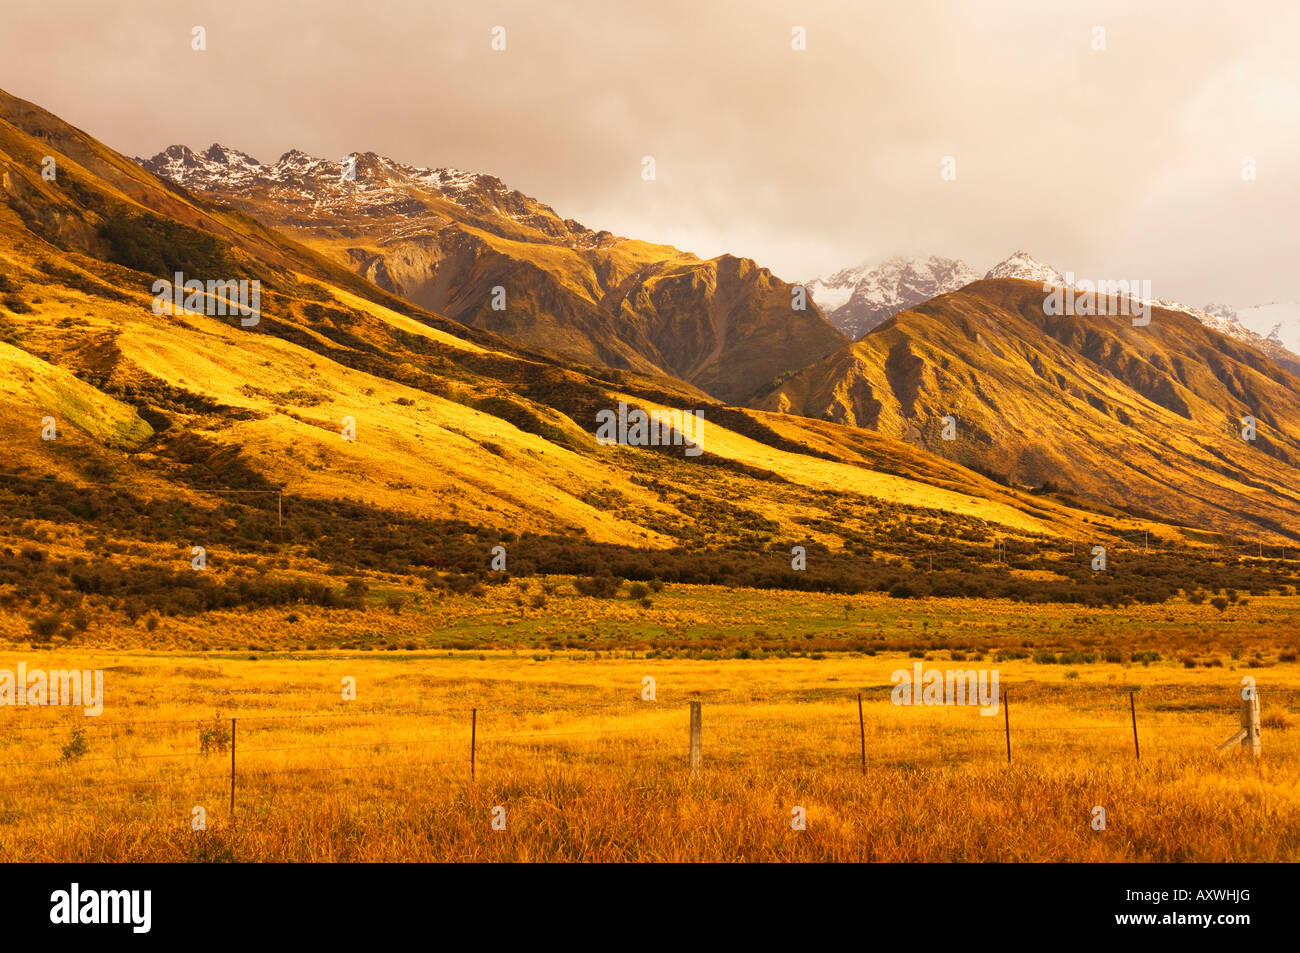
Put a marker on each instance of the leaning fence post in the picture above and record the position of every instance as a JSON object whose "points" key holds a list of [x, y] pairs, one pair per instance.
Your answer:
{"points": [[232, 767], [1132, 709], [695, 738], [1250, 722], [473, 739]]}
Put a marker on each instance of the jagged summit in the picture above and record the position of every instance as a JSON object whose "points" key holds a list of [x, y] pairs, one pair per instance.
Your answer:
{"points": [[1022, 265], [863, 297], [220, 168], [858, 299], [219, 153]]}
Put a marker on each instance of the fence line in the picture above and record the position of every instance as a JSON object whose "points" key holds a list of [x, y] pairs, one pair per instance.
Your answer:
{"points": [[1150, 722], [805, 696]]}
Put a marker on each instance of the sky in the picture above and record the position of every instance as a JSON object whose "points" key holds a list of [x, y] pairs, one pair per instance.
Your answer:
{"points": [[1122, 162]]}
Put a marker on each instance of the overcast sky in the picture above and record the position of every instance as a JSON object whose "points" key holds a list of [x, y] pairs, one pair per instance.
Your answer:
{"points": [[1124, 163]]}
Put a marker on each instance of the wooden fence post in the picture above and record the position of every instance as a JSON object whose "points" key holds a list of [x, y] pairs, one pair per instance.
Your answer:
{"points": [[1248, 734], [473, 739], [695, 738], [232, 767], [1132, 709], [862, 730], [1006, 717], [1250, 723]]}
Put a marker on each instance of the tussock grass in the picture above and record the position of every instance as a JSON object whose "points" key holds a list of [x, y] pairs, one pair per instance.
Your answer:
{"points": [[587, 771]]}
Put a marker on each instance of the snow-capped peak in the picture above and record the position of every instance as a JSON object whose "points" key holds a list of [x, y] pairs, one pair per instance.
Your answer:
{"points": [[305, 188], [860, 298], [1278, 321], [1025, 266], [219, 153], [222, 169]]}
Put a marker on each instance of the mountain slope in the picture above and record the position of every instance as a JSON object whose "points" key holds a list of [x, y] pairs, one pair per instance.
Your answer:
{"points": [[193, 429], [856, 300], [1025, 266], [1144, 418], [452, 423], [447, 240]]}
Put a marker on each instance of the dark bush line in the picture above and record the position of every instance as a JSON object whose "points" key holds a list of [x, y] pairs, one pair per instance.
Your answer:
{"points": [[143, 587], [352, 536]]}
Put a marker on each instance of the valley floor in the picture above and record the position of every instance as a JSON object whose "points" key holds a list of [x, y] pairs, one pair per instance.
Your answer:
{"points": [[573, 761]]}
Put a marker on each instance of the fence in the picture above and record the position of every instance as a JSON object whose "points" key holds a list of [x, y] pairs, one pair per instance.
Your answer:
{"points": [[831, 730]]}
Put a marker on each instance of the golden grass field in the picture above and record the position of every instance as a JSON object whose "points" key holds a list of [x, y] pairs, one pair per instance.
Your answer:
{"points": [[587, 770]]}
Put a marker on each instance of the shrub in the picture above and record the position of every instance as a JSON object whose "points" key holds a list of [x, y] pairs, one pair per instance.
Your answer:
{"points": [[160, 246], [601, 587], [214, 736], [46, 626], [1275, 721], [76, 746]]}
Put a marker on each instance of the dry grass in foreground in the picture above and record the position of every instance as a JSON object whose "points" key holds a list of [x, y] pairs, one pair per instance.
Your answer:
{"points": [[587, 771]]}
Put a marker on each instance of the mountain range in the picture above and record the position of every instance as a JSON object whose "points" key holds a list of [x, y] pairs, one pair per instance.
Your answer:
{"points": [[457, 429], [377, 308], [1145, 417], [861, 298], [446, 240]]}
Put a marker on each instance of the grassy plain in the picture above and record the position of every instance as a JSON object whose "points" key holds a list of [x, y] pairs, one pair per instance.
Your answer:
{"points": [[585, 769]]}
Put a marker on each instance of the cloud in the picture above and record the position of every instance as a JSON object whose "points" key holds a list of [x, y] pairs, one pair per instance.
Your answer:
{"points": [[1123, 162]]}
